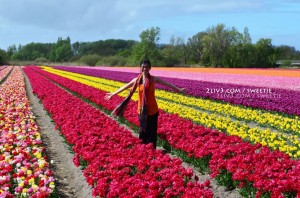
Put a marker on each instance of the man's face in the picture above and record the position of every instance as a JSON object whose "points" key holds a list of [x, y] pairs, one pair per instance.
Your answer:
{"points": [[145, 68]]}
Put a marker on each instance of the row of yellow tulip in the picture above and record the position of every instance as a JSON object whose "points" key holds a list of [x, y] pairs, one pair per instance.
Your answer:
{"points": [[283, 123], [275, 140]]}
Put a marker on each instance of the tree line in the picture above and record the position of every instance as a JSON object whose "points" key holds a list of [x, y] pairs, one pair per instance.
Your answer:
{"points": [[218, 46]]}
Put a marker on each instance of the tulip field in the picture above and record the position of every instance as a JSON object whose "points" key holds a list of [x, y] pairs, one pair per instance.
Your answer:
{"points": [[240, 126]]}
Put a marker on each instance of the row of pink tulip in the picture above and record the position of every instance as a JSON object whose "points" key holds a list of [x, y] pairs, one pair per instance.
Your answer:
{"points": [[268, 171], [24, 170], [4, 72], [2, 67], [117, 163]]}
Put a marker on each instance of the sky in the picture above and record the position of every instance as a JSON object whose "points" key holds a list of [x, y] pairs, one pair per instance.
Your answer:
{"points": [[44, 21]]}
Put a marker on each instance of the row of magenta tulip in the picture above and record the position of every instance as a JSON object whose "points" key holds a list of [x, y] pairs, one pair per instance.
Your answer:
{"points": [[24, 170], [184, 107], [117, 163], [267, 171], [279, 100]]}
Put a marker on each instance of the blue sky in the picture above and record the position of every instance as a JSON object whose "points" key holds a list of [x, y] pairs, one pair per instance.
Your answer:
{"points": [[26, 21]]}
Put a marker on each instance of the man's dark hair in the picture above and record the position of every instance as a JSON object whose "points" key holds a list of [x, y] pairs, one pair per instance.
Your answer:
{"points": [[146, 62]]}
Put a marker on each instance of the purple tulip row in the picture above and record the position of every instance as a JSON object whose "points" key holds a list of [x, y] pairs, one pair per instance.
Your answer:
{"points": [[279, 100]]}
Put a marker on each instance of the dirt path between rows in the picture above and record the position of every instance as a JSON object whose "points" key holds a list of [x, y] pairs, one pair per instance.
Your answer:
{"points": [[69, 179]]}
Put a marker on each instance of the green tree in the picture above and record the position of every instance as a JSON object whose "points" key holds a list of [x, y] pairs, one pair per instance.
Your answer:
{"points": [[265, 55], [247, 38], [62, 50], [147, 47], [246, 51], [174, 53], [108, 47], [218, 41], [11, 50], [239, 52], [195, 44], [181, 51], [31, 51], [3, 57], [76, 48], [286, 52]]}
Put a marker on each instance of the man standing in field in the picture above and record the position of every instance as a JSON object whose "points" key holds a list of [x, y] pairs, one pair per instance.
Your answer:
{"points": [[147, 105]]}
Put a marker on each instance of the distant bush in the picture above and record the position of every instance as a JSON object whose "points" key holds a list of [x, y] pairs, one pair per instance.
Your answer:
{"points": [[171, 61], [90, 59], [286, 63], [112, 61], [41, 60], [75, 58]]}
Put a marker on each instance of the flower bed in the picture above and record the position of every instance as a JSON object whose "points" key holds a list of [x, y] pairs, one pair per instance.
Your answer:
{"points": [[4, 72], [24, 170]]}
